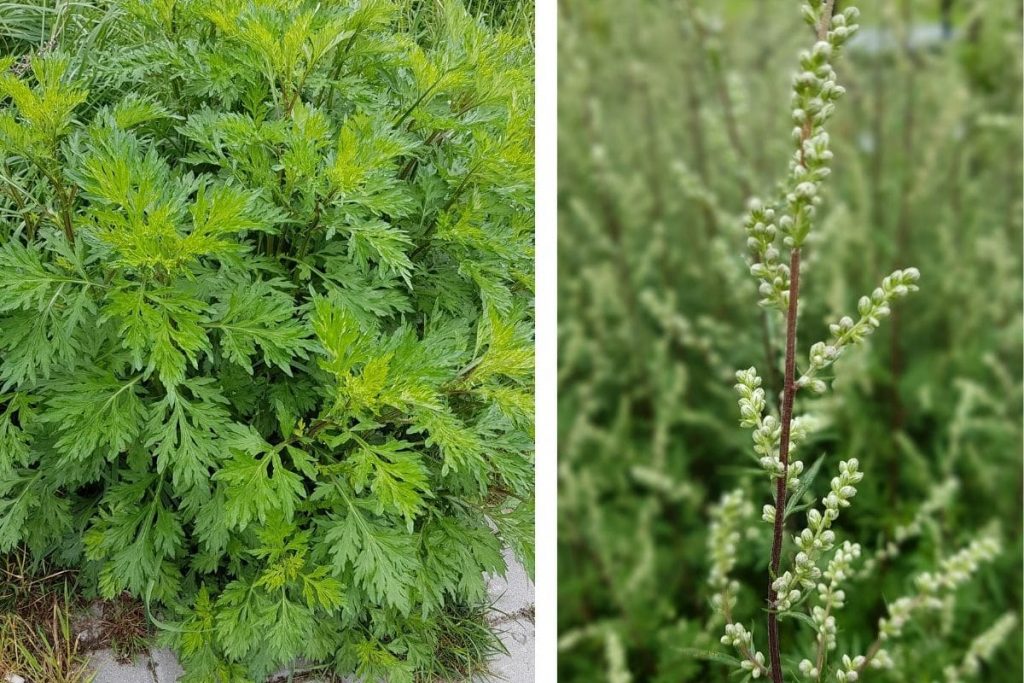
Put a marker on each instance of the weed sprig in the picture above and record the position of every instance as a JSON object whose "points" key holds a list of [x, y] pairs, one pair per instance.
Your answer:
{"points": [[800, 589]]}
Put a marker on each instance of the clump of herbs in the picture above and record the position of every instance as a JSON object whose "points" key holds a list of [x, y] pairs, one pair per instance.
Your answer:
{"points": [[266, 321]]}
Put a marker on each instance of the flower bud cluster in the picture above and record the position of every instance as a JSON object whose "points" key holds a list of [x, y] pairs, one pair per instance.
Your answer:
{"points": [[767, 429], [841, 27], [752, 402], [850, 669], [615, 654], [767, 432], [799, 426], [808, 670], [741, 639], [815, 93], [817, 537], [754, 666], [723, 541], [882, 660], [846, 332], [772, 275], [838, 570], [831, 596], [826, 624], [981, 649], [953, 571], [958, 568], [900, 612], [812, 10]]}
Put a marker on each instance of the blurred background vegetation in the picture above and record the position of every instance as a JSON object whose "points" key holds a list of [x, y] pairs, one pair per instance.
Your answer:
{"points": [[671, 114]]}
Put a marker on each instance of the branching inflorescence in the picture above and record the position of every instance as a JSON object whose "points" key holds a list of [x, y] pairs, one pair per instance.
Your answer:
{"points": [[799, 586]]}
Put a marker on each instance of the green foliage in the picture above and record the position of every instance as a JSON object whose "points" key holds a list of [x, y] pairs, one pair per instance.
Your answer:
{"points": [[666, 128], [266, 321]]}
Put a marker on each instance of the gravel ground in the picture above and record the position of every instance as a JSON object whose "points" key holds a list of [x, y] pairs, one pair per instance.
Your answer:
{"points": [[513, 615]]}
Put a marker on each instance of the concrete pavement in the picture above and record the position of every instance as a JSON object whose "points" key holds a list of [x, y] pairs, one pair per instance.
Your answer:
{"points": [[512, 617]]}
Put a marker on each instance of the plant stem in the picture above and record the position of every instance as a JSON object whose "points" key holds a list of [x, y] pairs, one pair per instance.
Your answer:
{"points": [[408, 112], [65, 214], [870, 654], [788, 392], [317, 214], [786, 416], [770, 354], [65, 199], [822, 648], [336, 71]]}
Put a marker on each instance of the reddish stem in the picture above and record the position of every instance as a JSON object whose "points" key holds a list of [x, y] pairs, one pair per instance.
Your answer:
{"points": [[788, 392]]}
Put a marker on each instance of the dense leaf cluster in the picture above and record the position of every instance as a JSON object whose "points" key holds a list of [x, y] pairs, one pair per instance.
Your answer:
{"points": [[266, 320]]}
